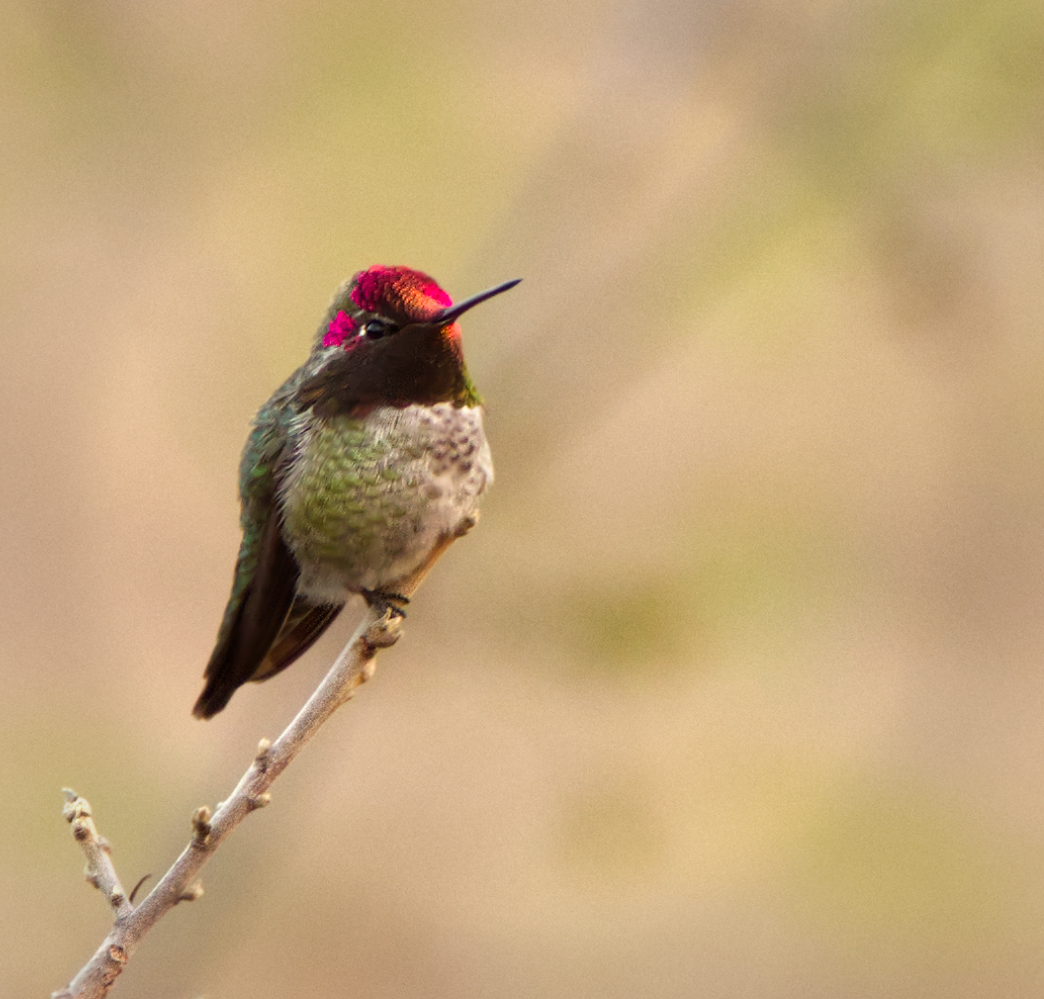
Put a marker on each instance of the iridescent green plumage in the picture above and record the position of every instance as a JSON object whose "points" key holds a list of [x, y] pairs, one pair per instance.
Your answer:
{"points": [[358, 468]]}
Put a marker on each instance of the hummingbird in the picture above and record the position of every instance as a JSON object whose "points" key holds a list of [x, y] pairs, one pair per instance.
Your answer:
{"points": [[356, 475]]}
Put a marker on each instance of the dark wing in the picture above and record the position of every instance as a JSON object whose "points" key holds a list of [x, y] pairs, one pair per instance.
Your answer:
{"points": [[266, 625], [254, 617], [266, 573]]}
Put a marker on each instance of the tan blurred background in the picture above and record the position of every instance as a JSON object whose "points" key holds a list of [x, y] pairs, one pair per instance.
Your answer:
{"points": [[737, 690]]}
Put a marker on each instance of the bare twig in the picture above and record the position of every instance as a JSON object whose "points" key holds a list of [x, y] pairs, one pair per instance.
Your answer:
{"points": [[99, 871], [353, 667]]}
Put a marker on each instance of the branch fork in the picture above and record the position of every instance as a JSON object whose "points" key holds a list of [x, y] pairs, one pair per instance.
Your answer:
{"points": [[353, 667]]}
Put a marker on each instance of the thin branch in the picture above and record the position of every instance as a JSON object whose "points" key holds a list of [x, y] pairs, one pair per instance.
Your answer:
{"points": [[99, 871], [353, 667]]}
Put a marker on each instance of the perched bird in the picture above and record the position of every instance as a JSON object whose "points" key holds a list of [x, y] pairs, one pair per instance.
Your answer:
{"points": [[356, 475]]}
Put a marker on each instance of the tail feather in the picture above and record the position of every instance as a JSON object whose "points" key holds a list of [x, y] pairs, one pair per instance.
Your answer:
{"points": [[304, 625]]}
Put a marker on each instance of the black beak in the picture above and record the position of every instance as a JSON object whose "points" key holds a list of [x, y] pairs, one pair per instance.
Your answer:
{"points": [[453, 312]]}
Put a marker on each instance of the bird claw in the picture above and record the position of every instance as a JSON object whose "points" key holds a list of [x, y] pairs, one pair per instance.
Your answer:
{"points": [[393, 604]]}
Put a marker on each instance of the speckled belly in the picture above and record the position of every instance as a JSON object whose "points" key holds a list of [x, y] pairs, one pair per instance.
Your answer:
{"points": [[367, 499]]}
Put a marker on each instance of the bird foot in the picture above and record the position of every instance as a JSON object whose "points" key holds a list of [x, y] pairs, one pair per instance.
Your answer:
{"points": [[393, 604]]}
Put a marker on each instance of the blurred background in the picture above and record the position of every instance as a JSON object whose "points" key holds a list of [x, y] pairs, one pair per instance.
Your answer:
{"points": [[737, 690]]}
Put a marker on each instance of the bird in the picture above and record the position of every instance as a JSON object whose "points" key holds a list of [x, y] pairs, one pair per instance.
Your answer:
{"points": [[356, 474]]}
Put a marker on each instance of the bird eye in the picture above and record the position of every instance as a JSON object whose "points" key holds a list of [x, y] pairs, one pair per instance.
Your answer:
{"points": [[376, 328]]}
